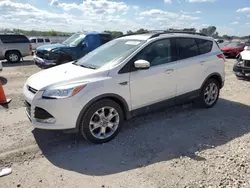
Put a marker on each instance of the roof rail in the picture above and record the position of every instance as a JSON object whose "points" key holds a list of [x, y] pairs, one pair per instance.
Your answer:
{"points": [[156, 33], [160, 32]]}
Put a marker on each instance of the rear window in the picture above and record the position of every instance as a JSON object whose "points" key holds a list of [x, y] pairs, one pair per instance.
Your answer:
{"points": [[40, 40], [14, 39], [104, 38], [187, 48], [205, 46], [47, 40]]}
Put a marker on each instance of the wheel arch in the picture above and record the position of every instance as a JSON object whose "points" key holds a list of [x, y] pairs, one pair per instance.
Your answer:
{"points": [[12, 50], [117, 98], [215, 76]]}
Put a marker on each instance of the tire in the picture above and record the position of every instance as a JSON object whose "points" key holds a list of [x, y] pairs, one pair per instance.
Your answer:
{"points": [[93, 114], [13, 56], [202, 102]]}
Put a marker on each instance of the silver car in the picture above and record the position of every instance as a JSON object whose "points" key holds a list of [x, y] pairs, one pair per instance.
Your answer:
{"points": [[14, 46]]}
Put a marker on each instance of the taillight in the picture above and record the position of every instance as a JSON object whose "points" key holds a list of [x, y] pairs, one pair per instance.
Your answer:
{"points": [[221, 56], [30, 47]]}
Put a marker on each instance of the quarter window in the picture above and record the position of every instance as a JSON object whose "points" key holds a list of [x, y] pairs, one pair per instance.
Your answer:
{"points": [[187, 48], [205, 46], [47, 40], [158, 53]]}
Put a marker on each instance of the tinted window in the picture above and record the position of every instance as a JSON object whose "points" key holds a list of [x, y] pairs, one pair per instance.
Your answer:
{"points": [[159, 52], [14, 39], [104, 38], [47, 40], [205, 46], [40, 40], [33, 40], [187, 48]]}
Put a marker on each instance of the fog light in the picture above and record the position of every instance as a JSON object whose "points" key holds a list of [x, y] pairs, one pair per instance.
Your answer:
{"points": [[48, 120]]}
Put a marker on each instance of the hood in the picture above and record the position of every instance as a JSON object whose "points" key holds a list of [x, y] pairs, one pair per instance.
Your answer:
{"points": [[58, 74], [50, 47], [245, 55]]}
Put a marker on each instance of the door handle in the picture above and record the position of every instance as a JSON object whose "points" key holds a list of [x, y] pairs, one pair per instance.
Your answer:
{"points": [[168, 71]]}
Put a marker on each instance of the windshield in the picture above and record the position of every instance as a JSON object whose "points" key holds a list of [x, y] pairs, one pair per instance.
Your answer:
{"points": [[109, 52], [235, 44], [74, 40]]}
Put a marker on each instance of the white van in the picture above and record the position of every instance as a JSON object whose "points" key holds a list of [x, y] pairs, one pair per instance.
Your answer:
{"points": [[39, 41]]}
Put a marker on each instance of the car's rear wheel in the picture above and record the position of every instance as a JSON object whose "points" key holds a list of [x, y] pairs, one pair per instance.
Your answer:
{"points": [[209, 93], [102, 121], [13, 56]]}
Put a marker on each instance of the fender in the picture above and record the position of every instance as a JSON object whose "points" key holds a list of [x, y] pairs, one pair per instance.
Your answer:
{"points": [[117, 98]]}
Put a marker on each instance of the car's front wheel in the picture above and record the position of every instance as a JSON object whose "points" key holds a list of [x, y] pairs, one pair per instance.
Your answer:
{"points": [[209, 93], [102, 121]]}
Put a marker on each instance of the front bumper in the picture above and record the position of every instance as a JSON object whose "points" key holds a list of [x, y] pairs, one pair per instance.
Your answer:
{"points": [[64, 111], [241, 70], [40, 61]]}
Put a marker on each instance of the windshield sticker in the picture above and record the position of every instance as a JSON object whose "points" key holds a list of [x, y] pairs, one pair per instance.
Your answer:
{"points": [[132, 43]]}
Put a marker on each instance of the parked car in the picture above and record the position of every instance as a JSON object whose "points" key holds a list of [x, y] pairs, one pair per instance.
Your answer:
{"points": [[124, 78], [75, 47], [242, 65], [222, 45], [38, 41], [219, 41], [14, 46], [233, 49]]}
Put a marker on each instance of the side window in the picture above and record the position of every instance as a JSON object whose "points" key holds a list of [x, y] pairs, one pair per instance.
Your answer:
{"points": [[158, 53], [47, 40], [14, 39], [205, 46], [33, 40], [187, 48], [40, 40], [104, 38]]}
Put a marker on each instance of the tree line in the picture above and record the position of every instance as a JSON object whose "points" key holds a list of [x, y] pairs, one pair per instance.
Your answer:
{"points": [[210, 31]]}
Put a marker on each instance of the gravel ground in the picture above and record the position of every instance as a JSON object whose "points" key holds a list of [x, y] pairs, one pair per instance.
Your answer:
{"points": [[180, 147]]}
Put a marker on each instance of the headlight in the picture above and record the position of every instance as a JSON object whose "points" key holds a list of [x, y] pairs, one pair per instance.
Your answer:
{"points": [[61, 93]]}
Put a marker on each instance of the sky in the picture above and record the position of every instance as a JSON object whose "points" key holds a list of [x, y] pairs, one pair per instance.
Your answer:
{"points": [[231, 17]]}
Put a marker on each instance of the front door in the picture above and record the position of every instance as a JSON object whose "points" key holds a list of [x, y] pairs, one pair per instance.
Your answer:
{"points": [[158, 83]]}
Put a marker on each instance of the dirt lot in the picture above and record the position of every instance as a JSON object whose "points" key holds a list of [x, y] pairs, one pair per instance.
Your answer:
{"points": [[178, 147]]}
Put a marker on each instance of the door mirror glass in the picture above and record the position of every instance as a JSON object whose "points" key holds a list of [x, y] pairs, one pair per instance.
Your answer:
{"points": [[142, 64], [84, 45]]}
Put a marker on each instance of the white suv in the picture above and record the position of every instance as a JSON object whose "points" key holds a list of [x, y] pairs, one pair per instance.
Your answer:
{"points": [[123, 78]]}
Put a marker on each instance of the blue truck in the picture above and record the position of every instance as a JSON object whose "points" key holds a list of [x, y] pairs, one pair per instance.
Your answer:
{"points": [[73, 48]]}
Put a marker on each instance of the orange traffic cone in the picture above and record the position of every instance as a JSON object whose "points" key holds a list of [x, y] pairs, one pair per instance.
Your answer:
{"points": [[3, 99]]}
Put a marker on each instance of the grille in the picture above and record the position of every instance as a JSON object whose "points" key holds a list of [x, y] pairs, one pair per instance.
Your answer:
{"points": [[28, 108], [32, 90], [40, 54], [247, 63]]}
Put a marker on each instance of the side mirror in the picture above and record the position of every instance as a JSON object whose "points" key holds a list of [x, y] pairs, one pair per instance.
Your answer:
{"points": [[84, 45], [142, 64]]}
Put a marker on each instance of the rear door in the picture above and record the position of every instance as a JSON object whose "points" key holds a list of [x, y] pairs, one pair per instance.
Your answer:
{"points": [[189, 67]]}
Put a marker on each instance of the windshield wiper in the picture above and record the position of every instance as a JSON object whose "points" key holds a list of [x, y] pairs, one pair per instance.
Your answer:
{"points": [[83, 65], [88, 66]]}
